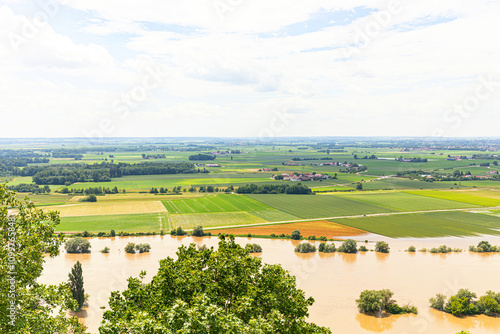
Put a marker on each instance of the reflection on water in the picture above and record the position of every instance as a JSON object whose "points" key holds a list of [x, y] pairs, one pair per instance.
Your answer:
{"points": [[379, 323], [334, 280]]}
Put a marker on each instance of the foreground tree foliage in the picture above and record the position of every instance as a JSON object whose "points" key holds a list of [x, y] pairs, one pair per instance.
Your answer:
{"points": [[32, 307], [208, 291]]}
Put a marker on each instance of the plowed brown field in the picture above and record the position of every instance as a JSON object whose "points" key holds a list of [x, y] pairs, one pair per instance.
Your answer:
{"points": [[317, 228]]}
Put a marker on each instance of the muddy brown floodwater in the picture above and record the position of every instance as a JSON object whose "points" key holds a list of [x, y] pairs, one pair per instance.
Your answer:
{"points": [[334, 280]]}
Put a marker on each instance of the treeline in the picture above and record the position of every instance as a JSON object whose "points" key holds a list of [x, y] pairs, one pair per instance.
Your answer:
{"points": [[303, 159], [371, 157], [298, 188], [153, 156], [91, 190], [101, 172], [401, 159], [202, 157], [30, 188]]}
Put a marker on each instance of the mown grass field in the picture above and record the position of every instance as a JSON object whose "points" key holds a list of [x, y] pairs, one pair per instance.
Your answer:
{"points": [[145, 222], [108, 208], [316, 228], [469, 197], [214, 203], [427, 225]]}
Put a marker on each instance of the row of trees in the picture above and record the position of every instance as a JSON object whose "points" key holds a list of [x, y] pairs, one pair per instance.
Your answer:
{"points": [[30, 188], [201, 157], [298, 188], [91, 190]]}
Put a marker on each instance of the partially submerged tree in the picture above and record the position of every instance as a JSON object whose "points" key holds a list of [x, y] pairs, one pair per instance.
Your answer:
{"points": [[76, 284], [77, 245], [31, 307], [211, 291]]}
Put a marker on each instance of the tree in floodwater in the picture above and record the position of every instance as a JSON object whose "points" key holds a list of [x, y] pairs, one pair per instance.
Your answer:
{"points": [[76, 284]]}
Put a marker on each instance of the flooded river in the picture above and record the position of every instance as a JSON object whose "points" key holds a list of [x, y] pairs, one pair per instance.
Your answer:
{"points": [[334, 280]]}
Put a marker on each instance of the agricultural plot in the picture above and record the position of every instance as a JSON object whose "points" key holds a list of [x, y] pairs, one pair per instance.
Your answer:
{"points": [[319, 206], [425, 225], [400, 183], [316, 228], [44, 200], [469, 197], [214, 203], [146, 222], [108, 208], [189, 221], [401, 201]]}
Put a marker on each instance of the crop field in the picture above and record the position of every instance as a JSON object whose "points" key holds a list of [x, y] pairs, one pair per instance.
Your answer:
{"points": [[189, 221], [425, 225], [108, 208], [214, 203], [316, 228], [45, 200], [145, 222], [401, 201], [319, 206], [330, 188], [398, 184], [469, 197]]}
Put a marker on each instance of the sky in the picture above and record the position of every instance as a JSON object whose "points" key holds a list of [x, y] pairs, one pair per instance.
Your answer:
{"points": [[241, 68]]}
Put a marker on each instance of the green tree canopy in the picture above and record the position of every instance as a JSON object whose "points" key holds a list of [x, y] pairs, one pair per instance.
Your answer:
{"points": [[211, 291], [77, 245], [32, 307]]}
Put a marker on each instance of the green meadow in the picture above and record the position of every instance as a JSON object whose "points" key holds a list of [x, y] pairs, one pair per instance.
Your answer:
{"points": [[427, 225]]}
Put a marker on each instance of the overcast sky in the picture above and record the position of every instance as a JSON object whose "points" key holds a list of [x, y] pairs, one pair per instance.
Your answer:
{"points": [[76, 68]]}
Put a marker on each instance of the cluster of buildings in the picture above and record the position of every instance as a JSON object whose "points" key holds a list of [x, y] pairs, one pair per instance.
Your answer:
{"points": [[334, 164], [301, 177]]}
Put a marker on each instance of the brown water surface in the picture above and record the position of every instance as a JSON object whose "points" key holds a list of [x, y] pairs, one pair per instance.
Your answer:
{"points": [[334, 280]]}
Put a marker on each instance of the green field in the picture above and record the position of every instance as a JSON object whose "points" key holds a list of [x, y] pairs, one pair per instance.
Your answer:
{"points": [[189, 221], [400, 201], [215, 203], [425, 225], [319, 206], [460, 196], [400, 183], [144, 222]]}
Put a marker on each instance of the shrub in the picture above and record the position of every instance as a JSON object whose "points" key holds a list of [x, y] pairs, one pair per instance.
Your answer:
{"points": [[411, 249], [322, 238], [143, 248], [348, 246], [130, 248], [438, 302], [441, 249], [112, 233], [484, 247], [325, 248], [253, 248], [105, 250], [85, 234], [305, 247], [363, 248], [101, 234], [77, 245], [374, 301], [311, 237], [296, 235], [382, 247], [198, 231]]}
